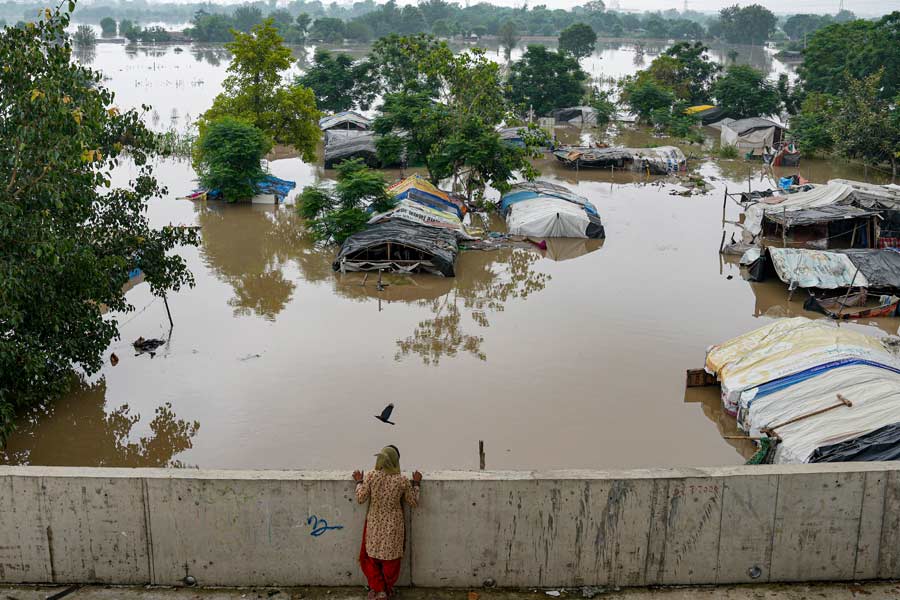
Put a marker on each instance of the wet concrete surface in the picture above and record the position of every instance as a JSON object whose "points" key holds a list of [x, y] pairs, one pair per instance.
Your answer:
{"points": [[573, 357], [825, 591]]}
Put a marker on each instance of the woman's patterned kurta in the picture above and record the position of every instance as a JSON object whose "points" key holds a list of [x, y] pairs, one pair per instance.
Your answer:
{"points": [[385, 530]]}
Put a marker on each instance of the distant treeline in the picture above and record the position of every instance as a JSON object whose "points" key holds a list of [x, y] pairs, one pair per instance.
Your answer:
{"points": [[367, 20]]}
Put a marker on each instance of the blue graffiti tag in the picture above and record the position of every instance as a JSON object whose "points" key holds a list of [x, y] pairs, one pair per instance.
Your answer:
{"points": [[320, 526]]}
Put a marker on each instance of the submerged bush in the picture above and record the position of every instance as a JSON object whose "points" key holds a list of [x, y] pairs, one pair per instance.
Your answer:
{"points": [[728, 151], [229, 155]]}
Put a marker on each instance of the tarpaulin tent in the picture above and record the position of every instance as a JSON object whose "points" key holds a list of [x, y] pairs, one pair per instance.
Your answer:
{"points": [[815, 196], [657, 161], [421, 214], [878, 445], [754, 134], [707, 113], [816, 269], [399, 245], [873, 393], [552, 217], [340, 147], [345, 120], [881, 268], [529, 190], [585, 116], [786, 347], [419, 189]]}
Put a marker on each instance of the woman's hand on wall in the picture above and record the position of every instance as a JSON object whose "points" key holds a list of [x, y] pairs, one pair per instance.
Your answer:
{"points": [[417, 476], [358, 476]]}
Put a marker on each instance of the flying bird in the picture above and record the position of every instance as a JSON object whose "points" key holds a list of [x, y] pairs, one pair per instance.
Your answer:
{"points": [[385, 415]]}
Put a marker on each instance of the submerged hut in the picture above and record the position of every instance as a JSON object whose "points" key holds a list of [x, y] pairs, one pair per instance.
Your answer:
{"points": [[541, 209], [400, 246], [751, 136], [656, 161], [340, 147], [580, 116], [345, 121]]}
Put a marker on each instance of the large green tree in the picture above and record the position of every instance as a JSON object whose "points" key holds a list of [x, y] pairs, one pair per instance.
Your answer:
{"points": [[229, 154], [68, 236], [577, 40], [544, 80], [254, 91], [858, 49], [753, 24], [745, 92], [332, 78], [108, 27]]}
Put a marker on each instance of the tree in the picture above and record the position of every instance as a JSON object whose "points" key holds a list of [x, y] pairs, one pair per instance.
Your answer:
{"points": [[858, 49], [577, 40], [327, 29], [303, 21], [125, 26], [694, 72], [811, 127], [228, 158], [84, 36], [509, 37], [246, 18], [254, 92], [207, 27], [752, 24], [745, 92], [545, 80], [865, 125], [108, 27], [332, 79], [68, 236], [646, 96], [797, 27]]}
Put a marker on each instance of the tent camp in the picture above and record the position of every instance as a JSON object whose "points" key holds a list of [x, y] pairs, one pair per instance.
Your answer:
{"points": [[340, 147], [752, 135], [529, 190], [656, 161]]}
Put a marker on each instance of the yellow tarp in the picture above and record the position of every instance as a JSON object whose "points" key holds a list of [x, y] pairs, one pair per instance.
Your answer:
{"points": [[691, 110], [785, 347], [417, 182]]}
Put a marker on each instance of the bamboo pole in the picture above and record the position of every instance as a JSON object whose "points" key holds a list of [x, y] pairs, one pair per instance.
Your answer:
{"points": [[842, 401]]}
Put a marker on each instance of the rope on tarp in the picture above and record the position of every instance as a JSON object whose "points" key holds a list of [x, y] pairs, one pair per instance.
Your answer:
{"points": [[766, 453]]}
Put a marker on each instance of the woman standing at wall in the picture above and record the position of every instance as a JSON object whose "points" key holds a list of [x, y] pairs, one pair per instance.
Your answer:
{"points": [[384, 533]]}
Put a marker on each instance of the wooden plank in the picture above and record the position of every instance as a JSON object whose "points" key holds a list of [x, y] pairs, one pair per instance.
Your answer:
{"points": [[699, 378]]}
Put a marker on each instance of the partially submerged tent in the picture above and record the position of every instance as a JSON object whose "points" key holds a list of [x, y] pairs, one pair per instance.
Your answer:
{"points": [[877, 269], [706, 113], [529, 190], [582, 116], [823, 228], [347, 120], [401, 246], [656, 161], [552, 217], [881, 444], [752, 135], [340, 147], [423, 191]]}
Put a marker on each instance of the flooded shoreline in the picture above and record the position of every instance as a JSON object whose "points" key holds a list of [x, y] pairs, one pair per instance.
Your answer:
{"points": [[569, 358]]}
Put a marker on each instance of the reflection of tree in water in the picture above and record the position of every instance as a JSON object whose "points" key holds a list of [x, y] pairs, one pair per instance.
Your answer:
{"points": [[212, 55], [78, 422], [85, 54], [485, 282], [248, 246]]}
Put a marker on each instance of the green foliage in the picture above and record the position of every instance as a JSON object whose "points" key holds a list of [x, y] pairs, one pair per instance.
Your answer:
{"points": [[797, 27], [673, 122], [858, 49], [327, 29], [745, 92], [728, 151], [692, 74], [601, 101], [313, 201], [508, 36], [68, 235], [332, 79], [228, 158], [577, 40], [254, 92], [811, 126], [358, 184], [247, 17], [752, 24], [84, 36], [207, 27], [545, 80], [108, 27], [336, 226], [645, 95], [866, 126], [125, 26]]}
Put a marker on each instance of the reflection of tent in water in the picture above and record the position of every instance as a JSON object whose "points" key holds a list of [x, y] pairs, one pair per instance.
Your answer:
{"points": [[399, 245], [656, 161], [808, 385], [560, 249]]}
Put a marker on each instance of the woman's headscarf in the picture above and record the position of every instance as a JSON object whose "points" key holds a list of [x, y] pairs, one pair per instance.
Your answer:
{"points": [[388, 460]]}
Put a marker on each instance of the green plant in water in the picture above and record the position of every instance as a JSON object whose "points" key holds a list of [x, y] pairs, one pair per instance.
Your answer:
{"points": [[230, 151], [728, 151]]}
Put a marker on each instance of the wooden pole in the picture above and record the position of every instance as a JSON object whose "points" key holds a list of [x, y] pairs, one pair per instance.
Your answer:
{"points": [[724, 202], [481, 454], [841, 402], [722, 243], [168, 312], [847, 295]]}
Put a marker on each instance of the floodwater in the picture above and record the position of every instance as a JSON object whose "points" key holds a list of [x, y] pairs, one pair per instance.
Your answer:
{"points": [[573, 357]]}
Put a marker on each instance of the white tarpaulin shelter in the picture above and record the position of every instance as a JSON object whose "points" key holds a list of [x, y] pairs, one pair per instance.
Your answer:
{"points": [[816, 269], [753, 134], [819, 195], [547, 217], [874, 393], [786, 347]]}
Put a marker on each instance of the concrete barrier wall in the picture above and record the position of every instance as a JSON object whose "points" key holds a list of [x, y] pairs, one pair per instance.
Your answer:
{"points": [[563, 528]]}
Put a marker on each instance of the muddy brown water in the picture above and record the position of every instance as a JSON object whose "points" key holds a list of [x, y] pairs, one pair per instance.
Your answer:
{"points": [[573, 357]]}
